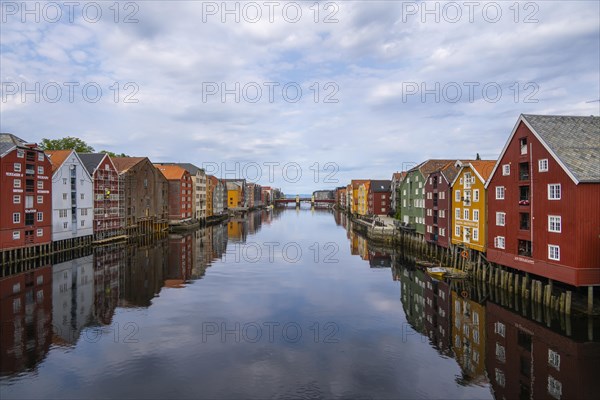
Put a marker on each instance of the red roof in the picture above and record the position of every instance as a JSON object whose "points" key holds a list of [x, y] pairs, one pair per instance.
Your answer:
{"points": [[57, 157], [171, 172]]}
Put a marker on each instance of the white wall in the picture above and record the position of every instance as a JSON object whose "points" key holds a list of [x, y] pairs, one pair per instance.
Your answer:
{"points": [[61, 183]]}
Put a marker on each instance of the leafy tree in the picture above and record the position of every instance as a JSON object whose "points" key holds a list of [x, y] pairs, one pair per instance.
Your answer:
{"points": [[66, 143], [111, 154]]}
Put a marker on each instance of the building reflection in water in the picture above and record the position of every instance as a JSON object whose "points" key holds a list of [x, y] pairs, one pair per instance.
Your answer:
{"points": [[25, 319], [517, 348]]}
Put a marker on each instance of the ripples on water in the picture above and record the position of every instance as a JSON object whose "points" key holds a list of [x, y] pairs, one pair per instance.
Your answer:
{"points": [[225, 312]]}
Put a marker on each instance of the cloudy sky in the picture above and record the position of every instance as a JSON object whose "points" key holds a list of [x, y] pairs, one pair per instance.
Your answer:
{"points": [[351, 89]]}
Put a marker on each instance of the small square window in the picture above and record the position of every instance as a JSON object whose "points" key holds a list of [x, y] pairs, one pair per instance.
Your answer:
{"points": [[40, 199], [16, 235], [553, 252], [16, 199], [543, 165], [40, 156], [40, 184], [40, 232], [17, 183], [499, 192], [499, 242], [554, 223], [554, 191], [40, 216], [40, 170], [16, 218], [17, 167], [20, 153]]}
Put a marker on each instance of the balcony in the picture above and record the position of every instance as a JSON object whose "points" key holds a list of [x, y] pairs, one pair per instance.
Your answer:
{"points": [[524, 171], [524, 195]]}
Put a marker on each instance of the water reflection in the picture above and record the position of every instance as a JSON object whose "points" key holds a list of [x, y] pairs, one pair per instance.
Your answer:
{"points": [[398, 332]]}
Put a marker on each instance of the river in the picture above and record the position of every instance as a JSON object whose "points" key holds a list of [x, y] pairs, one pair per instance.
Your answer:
{"points": [[282, 304]]}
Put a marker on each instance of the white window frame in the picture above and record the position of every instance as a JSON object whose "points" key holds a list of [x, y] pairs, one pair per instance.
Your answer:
{"points": [[17, 183], [476, 195], [543, 165], [40, 216], [16, 199], [500, 242], [457, 213], [476, 215], [40, 232], [457, 195], [553, 252], [40, 170], [554, 359], [505, 169], [20, 153], [466, 214], [552, 191], [457, 231], [500, 193], [476, 234], [554, 223], [500, 218], [16, 235], [17, 167], [16, 218]]}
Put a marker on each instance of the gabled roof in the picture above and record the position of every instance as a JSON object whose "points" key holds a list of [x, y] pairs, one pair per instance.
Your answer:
{"points": [[482, 168], [171, 172], [57, 157], [233, 186], [355, 183], [123, 164], [8, 141], [189, 167], [573, 141], [398, 176], [450, 171], [381, 186], [91, 161]]}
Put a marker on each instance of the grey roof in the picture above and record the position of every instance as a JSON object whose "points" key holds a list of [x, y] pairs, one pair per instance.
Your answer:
{"points": [[574, 140], [91, 161], [381, 186], [8, 141], [189, 167]]}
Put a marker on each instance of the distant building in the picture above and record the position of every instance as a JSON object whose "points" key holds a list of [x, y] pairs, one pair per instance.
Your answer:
{"points": [[25, 194], [468, 204], [198, 188], [395, 184], [145, 194], [180, 193], [379, 197], [108, 214], [235, 195], [438, 205], [72, 197]]}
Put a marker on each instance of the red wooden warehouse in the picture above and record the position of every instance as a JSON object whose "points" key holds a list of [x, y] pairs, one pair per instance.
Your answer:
{"points": [[544, 199], [25, 194]]}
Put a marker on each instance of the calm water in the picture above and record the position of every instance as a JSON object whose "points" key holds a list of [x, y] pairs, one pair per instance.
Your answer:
{"points": [[285, 304]]}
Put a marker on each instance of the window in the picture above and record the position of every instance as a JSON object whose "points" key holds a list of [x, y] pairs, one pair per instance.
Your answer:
{"points": [[442, 232], [442, 213], [524, 248], [523, 145], [17, 167], [40, 170], [506, 169], [20, 153], [499, 192], [476, 195], [84, 212], [554, 387], [40, 199], [40, 216], [457, 231], [524, 221], [64, 181], [28, 201], [16, 218], [476, 336], [499, 242], [64, 196], [40, 156], [553, 252], [500, 353], [145, 183], [500, 329], [40, 184], [466, 214], [82, 222], [40, 232], [500, 218], [82, 196], [442, 195], [65, 225], [554, 223], [457, 213], [17, 183], [475, 215], [554, 191], [457, 195], [475, 234], [554, 359], [543, 165], [16, 199]]}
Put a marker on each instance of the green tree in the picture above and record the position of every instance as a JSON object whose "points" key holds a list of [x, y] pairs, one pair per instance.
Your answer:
{"points": [[111, 154], [66, 143]]}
